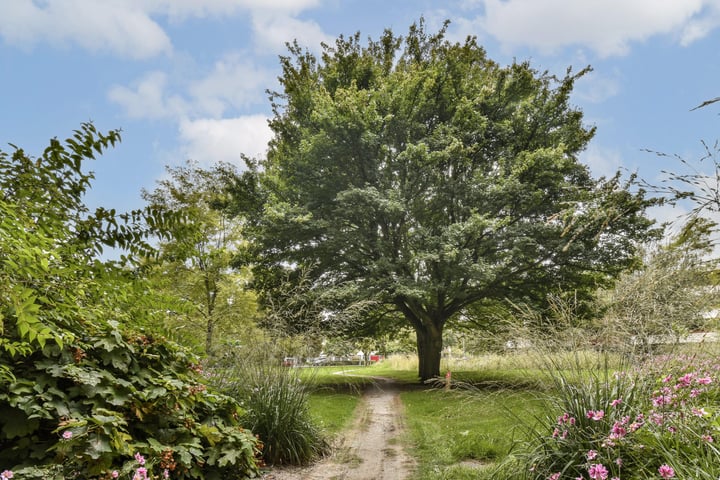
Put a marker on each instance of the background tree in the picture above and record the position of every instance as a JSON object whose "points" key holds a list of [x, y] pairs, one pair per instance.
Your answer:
{"points": [[670, 295], [194, 266], [417, 173]]}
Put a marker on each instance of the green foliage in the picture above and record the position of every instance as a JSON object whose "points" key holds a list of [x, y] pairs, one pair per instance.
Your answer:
{"points": [[419, 175], [192, 270], [460, 435], [276, 401], [80, 392]]}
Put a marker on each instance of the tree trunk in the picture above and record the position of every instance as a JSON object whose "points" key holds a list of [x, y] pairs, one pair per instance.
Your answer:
{"points": [[209, 336], [429, 346]]}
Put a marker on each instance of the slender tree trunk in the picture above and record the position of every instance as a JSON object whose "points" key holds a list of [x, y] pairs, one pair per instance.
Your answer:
{"points": [[429, 346], [209, 336]]}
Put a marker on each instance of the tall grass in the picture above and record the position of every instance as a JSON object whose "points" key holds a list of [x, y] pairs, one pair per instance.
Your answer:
{"points": [[275, 399]]}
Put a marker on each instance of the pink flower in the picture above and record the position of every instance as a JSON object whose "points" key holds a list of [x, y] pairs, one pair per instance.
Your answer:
{"points": [[67, 434], [704, 380], [591, 454], [595, 414], [554, 476], [140, 459], [140, 474], [708, 438], [618, 431], [700, 412], [666, 471], [616, 402], [166, 473], [598, 472], [114, 474], [7, 475]]}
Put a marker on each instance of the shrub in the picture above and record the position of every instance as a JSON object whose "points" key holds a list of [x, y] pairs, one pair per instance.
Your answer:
{"points": [[81, 392]]}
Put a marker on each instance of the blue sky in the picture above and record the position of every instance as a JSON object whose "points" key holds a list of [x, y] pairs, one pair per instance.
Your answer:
{"points": [[187, 78]]}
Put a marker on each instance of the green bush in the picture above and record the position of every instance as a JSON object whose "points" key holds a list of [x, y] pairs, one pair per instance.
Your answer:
{"points": [[82, 393], [276, 400]]}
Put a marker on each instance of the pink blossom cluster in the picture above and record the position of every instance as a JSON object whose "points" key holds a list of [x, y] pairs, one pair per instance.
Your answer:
{"points": [[680, 403]]}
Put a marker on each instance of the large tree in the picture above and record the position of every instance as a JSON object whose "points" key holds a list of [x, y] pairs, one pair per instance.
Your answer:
{"points": [[419, 174]]}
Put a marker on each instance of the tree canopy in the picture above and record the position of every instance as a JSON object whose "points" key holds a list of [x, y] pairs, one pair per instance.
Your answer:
{"points": [[194, 262], [420, 174]]}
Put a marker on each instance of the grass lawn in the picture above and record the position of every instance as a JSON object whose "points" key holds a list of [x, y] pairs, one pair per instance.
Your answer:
{"points": [[459, 434], [333, 410]]}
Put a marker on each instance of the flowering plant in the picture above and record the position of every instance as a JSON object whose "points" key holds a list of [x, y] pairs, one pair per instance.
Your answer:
{"points": [[656, 420]]}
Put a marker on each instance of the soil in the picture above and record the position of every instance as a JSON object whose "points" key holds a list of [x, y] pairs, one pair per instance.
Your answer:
{"points": [[370, 450]]}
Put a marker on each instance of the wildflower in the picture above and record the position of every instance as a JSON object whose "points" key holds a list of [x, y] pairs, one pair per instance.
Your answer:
{"points": [[114, 474], [685, 380], [704, 380], [595, 414], [700, 412], [140, 459], [591, 454], [140, 474], [7, 475], [708, 438], [618, 431], [67, 434], [616, 402], [166, 473], [598, 472], [554, 476], [666, 471]]}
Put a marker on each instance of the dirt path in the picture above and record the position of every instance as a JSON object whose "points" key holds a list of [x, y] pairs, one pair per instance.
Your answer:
{"points": [[370, 450]]}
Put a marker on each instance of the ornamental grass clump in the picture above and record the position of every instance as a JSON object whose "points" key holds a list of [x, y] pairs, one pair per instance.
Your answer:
{"points": [[276, 402], [657, 419]]}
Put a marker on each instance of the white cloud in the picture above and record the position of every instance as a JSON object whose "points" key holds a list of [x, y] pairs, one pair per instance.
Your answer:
{"points": [[213, 140], [148, 98], [274, 30], [234, 82], [129, 28], [603, 162], [595, 87], [110, 25], [606, 26], [180, 9]]}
